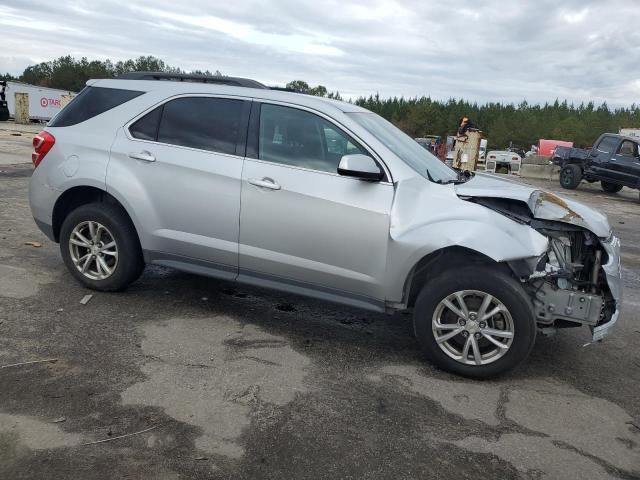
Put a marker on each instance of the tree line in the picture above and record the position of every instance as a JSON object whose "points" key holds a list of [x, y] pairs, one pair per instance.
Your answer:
{"points": [[69, 73], [502, 123]]}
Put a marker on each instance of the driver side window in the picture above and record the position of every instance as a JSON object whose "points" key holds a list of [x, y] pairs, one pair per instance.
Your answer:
{"points": [[299, 138]]}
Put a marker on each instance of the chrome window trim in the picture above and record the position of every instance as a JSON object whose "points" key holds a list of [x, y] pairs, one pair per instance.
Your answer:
{"points": [[311, 170], [331, 120]]}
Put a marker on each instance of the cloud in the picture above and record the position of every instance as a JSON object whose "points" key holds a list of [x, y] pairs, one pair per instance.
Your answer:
{"points": [[488, 50], [576, 17]]}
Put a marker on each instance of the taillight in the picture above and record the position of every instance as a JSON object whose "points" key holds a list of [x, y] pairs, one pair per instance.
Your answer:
{"points": [[42, 143], [493, 157], [515, 159]]}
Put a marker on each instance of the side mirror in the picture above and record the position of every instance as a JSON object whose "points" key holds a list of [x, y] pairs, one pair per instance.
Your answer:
{"points": [[360, 166]]}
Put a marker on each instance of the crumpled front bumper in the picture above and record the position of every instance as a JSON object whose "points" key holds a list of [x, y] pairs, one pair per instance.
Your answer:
{"points": [[613, 273]]}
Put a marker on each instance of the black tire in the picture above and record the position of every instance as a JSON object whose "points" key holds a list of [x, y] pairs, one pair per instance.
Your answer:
{"points": [[130, 262], [493, 281], [570, 176], [610, 187]]}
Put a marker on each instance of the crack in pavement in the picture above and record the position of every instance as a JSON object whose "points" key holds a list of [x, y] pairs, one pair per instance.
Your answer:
{"points": [[611, 469], [542, 414]]}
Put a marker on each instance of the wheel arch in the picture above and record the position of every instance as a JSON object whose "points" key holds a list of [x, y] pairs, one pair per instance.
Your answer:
{"points": [[454, 256], [76, 197], [573, 161]]}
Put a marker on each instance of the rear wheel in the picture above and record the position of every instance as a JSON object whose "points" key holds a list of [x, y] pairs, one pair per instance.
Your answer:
{"points": [[476, 321], [610, 187], [570, 176], [100, 247]]}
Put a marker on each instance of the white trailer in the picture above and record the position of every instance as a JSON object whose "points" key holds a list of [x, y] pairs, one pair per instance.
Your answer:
{"points": [[483, 150], [630, 132], [44, 102]]}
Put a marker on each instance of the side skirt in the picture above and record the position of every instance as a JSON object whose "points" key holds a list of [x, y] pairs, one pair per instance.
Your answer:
{"points": [[246, 277]]}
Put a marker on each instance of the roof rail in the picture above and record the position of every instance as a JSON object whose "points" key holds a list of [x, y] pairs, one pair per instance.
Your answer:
{"points": [[187, 77], [285, 89]]}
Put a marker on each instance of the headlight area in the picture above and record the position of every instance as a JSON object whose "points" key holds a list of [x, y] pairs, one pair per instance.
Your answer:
{"points": [[569, 286]]}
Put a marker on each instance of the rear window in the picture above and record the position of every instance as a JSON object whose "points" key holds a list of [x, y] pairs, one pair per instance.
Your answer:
{"points": [[203, 123], [92, 101]]}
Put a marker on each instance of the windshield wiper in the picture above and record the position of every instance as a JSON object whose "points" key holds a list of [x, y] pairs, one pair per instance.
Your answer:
{"points": [[433, 179], [463, 176]]}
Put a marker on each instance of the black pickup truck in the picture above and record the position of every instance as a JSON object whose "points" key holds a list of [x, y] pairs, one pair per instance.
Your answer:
{"points": [[614, 161], [560, 155]]}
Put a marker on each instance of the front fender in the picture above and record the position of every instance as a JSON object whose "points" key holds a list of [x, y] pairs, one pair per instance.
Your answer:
{"points": [[447, 221]]}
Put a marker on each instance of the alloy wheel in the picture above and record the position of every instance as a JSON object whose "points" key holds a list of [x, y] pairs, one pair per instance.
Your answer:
{"points": [[473, 327], [93, 249]]}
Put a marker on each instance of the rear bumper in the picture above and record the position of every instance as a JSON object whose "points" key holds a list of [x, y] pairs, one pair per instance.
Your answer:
{"points": [[42, 199], [613, 272], [45, 228]]}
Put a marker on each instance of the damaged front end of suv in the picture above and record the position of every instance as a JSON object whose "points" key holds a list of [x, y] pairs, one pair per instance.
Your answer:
{"points": [[577, 281]]}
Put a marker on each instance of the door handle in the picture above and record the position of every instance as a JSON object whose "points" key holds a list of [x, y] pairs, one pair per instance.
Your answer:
{"points": [[265, 183], [144, 156]]}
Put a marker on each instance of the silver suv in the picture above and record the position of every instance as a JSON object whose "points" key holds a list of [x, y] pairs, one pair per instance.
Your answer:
{"points": [[224, 177]]}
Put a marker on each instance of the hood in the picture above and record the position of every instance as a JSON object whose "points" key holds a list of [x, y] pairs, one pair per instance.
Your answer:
{"points": [[543, 205]]}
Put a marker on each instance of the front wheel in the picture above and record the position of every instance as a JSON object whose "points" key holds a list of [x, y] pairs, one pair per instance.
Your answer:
{"points": [[100, 247], [570, 176], [610, 187], [476, 321]]}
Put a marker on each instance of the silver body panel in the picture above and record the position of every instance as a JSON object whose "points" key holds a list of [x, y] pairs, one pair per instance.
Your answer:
{"points": [[186, 202], [543, 205], [305, 231], [613, 271], [318, 228]]}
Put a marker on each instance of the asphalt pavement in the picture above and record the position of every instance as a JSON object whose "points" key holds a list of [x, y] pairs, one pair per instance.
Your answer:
{"points": [[183, 377]]}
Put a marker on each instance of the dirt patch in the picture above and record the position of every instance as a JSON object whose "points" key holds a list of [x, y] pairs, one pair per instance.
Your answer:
{"points": [[16, 282], [35, 434], [559, 423], [214, 378], [476, 403], [568, 415], [537, 457]]}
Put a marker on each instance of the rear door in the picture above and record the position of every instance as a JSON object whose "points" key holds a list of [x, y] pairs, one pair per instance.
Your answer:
{"points": [[179, 167], [304, 227]]}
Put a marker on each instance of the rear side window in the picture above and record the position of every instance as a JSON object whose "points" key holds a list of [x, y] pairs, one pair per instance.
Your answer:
{"points": [[628, 149], [608, 144], [147, 127], [199, 122], [91, 101]]}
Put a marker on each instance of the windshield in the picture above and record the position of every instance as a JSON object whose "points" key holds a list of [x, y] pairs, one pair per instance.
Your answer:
{"points": [[417, 157]]}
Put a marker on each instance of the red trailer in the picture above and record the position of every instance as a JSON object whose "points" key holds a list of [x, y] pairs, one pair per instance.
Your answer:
{"points": [[546, 147]]}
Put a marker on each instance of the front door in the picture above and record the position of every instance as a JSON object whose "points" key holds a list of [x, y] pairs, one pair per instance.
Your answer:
{"points": [[627, 163], [602, 159], [303, 227], [179, 167]]}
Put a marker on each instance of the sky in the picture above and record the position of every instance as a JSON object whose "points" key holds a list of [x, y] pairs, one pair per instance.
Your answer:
{"points": [[484, 50]]}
